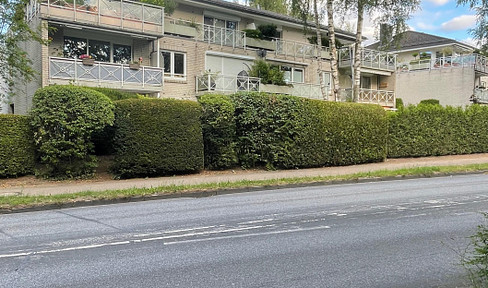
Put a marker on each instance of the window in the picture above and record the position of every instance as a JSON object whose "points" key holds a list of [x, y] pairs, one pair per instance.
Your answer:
{"points": [[365, 82], [99, 50], [174, 64], [292, 74], [220, 23]]}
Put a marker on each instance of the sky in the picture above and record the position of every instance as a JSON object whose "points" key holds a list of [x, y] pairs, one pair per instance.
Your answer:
{"points": [[440, 17]]}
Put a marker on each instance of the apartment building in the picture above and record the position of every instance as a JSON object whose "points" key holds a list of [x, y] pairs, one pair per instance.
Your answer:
{"points": [[201, 48], [434, 67]]}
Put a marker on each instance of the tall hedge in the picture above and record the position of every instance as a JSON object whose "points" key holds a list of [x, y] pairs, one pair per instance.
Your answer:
{"points": [[287, 132], [16, 146], [157, 137], [219, 131], [64, 119], [434, 130]]}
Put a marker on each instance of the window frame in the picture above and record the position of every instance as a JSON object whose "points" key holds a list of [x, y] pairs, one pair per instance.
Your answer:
{"points": [[171, 74], [111, 56], [292, 73]]}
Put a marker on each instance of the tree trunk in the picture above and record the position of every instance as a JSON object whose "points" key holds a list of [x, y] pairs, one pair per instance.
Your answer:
{"points": [[318, 50], [357, 53], [333, 49]]}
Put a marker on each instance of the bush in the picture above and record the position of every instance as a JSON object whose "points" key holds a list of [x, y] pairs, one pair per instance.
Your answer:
{"points": [[253, 33], [219, 131], [268, 74], [157, 137], [475, 260], [399, 103], [269, 31], [16, 146], [288, 132], [429, 102], [63, 120], [433, 130], [115, 94]]}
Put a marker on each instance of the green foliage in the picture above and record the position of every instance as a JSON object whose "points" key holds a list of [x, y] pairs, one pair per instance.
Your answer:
{"points": [[399, 103], [433, 130], [63, 120], [287, 132], [169, 5], [219, 131], [253, 33], [476, 259], [115, 94], [268, 74], [278, 6], [324, 41], [157, 137], [269, 31], [16, 146], [429, 102]]}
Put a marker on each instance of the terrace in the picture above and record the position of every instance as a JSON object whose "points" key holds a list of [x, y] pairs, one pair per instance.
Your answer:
{"points": [[370, 96], [477, 62], [369, 59]]}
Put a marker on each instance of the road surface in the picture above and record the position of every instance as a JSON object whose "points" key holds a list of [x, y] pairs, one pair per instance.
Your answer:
{"points": [[404, 233]]}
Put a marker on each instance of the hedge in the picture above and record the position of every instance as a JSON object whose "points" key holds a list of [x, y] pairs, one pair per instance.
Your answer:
{"points": [[279, 131], [157, 137], [433, 130], [16, 146], [219, 131], [115, 94]]}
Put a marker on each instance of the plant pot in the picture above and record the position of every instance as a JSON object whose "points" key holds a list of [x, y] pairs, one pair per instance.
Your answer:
{"points": [[135, 66], [88, 62]]}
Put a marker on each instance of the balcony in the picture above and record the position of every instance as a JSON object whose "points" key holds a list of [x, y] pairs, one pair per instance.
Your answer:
{"points": [[474, 61], [370, 96], [369, 59], [480, 96], [100, 74], [210, 83], [115, 14]]}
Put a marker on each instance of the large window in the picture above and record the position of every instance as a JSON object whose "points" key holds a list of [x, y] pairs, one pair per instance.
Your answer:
{"points": [[220, 23], [293, 74], [174, 64], [99, 50]]}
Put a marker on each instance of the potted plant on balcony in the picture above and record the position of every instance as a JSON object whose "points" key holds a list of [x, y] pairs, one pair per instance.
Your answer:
{"points": [[135, 65], [87, 60]]}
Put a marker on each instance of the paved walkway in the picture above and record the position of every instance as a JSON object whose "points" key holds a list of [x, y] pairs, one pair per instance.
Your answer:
{"points": [[232, 176]]}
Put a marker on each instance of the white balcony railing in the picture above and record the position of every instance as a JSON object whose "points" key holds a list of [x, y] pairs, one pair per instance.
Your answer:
{"points": [[111, 74], [369, 59], [221, 36], [480, 96], [473, 61], [121, 14], [208, 83], [370, 96]]}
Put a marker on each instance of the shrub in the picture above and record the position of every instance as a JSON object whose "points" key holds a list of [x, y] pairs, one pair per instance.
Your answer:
{"points": [[429, 102], [433, 130], [63, 120], [115, 94], [219, 131], [253, 33], [324, 41], [288, 132], [475, 260], [268, 74], [16, 146], [399, 103], [157, 137], [269, 31]]}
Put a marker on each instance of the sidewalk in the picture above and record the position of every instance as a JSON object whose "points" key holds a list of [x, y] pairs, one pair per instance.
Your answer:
{"points": [[237, 175]]}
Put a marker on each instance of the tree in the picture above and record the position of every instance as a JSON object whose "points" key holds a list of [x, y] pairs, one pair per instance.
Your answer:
{"points": [[480, 32], [14, 63], [333, 48], [278, 6], [319, 49]]}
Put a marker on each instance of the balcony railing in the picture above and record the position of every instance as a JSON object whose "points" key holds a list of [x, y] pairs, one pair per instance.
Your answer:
{"points": [[222, 36], [120, 14], [473, 61], [208, 83], [480, 96], [369, 59], [370, 96], [109, 74]]}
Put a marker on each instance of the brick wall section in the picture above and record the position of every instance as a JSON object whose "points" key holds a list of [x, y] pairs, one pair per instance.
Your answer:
{"points": [[451, 86]]}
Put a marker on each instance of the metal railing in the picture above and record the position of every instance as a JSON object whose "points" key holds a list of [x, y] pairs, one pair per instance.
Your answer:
{"points": [[226, 84], [370, 96], [119, 75], [123, 14], [298, 49], [221, 36], [475, 61], [369, 58], [480, 96]]}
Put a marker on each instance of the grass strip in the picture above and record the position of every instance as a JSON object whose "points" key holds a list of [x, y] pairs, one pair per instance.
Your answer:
{"points": [[15, 202]]}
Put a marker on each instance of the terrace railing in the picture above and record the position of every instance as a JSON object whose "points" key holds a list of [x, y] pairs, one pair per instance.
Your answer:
{"points": [[115, 75], [370, 96], [369, 59], [480, 96], [473, 61], [121, 14], [221, 36], [226, 84]]}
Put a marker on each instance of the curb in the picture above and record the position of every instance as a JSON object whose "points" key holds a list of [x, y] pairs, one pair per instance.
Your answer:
{"points": [[217, 192]]}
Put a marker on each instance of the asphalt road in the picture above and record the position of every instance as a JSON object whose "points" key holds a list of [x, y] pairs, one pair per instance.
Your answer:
{"points": [[405, 233]]}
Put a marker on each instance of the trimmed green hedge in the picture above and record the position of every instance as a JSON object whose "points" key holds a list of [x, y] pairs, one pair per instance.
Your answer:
{"points": [[429, 102], [433, 130], [16, 146], [157, 137], [219, 131], [115, 94], [280, 131]]}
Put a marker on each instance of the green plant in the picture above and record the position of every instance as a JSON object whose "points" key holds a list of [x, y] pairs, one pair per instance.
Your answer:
{"points": [[157, 137], [268, 74], [253, 33], [429, 102], [16, 146], [115, 94], [399, 103], [324, 41], [219, 131], [269, 31], [63, 120], [476, 259], [415, 54]]}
